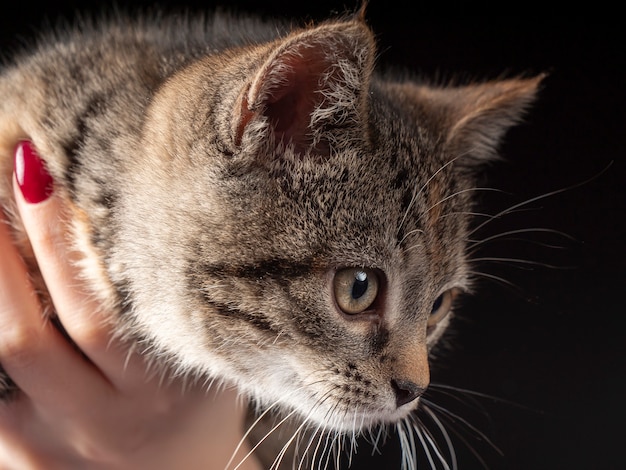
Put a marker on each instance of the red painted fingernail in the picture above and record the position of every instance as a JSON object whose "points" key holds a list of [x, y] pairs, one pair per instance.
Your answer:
{"points": [[30, 172]]}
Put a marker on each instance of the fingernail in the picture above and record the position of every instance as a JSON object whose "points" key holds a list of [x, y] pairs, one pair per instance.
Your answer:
{"points": [[30, 172]]}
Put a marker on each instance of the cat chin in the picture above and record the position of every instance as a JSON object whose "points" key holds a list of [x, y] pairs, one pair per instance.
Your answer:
{"points": [[357, 422], [334, 418], [362, 422]]}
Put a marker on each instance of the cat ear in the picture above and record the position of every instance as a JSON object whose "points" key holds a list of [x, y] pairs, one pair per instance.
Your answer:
{"points": [[310, 91], [476, 117]]}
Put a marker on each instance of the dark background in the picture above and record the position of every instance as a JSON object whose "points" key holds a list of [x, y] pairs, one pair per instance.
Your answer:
{"points": [[550, 348]]}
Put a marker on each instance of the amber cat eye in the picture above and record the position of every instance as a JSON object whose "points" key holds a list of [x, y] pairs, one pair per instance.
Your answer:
{"points": [[441, 307], [355, 289]]}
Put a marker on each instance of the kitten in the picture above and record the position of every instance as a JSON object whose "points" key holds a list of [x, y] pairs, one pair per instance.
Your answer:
{"points": [[257, 205]]}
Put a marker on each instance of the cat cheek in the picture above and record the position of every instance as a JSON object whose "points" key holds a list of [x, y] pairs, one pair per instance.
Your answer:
{"points": [[31, 174]]}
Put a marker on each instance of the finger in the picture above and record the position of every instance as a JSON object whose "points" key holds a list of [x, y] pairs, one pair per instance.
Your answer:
{"points": [[32, 351], [83, 317]]}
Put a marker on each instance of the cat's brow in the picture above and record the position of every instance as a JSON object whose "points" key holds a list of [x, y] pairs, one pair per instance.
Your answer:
{"points": [[272, 268]]}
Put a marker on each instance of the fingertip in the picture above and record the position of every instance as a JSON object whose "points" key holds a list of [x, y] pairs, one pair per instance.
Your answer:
{"points": [[31, 175], [33, 188]]}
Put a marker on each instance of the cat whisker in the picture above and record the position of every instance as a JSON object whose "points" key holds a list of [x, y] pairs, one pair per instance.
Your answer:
{"points": [[334, 440], [418, 432], [322, 437], [428, 440], [475, 404], [276, 338], [470, 447], [495, 278], [465, 442], [475, 246], [354, 435], [444, 433], [247, 433], [417, 429], [274, 428], [449, 389], [438, 414], [330, 442], [281, 454], [535, 199], [456, 418], [500, 236], [381, 430], [412, 247], [519, 263], [491, 217], [336, 449], [317, 430], [417, 194], [408, 234], [321, 433], [468, 213], [407, 444], [458, 193]]}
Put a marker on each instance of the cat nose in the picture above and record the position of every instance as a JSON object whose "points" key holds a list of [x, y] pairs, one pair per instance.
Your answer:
{"points": [[406, 391]]}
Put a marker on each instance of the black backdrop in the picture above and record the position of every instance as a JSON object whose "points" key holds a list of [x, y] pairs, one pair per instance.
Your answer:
{"points": [[550, 348]]}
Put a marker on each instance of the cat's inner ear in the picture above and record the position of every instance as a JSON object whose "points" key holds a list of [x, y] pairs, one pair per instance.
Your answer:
{"points": [[311, 85]]}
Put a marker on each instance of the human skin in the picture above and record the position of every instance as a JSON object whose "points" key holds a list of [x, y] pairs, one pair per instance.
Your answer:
{"points": [[93, 407]]}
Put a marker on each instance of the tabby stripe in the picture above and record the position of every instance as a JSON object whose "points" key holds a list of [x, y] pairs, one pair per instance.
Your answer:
{"points": [[272, 268], [256, 320], [124, 296], [94, 107]]}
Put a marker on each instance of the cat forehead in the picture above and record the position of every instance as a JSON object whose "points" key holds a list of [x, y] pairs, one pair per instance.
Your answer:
{"points": [[355, 207]]}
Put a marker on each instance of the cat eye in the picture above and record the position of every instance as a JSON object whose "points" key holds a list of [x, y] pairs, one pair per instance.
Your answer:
{"points": [[441, 307], [355, 289]]}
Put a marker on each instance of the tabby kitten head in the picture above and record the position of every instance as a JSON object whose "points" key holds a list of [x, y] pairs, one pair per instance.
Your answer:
{"points": [[304, 221]]}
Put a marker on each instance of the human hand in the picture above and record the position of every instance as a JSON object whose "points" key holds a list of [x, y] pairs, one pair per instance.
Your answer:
{"points": [[96, 408]]}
